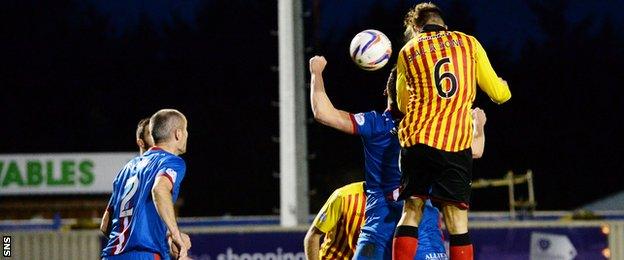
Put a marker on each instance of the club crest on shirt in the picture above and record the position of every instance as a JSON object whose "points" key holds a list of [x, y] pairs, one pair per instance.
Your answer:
{"points": [[323, 217], [173, 174], [359, 118]]}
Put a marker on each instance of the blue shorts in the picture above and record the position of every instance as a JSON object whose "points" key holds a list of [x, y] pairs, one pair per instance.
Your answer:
{"points": [[134, 255], [375, 240], [430, 242]]}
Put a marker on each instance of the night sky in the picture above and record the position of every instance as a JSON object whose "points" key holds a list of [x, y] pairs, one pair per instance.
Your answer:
{"points": [[77, 76]]}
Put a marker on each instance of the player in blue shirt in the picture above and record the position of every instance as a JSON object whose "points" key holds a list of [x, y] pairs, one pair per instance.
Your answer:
{"points": [[144, 141], [382, 172], [141, 205]]}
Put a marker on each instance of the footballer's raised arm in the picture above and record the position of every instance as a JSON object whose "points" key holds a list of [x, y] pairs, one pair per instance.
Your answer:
{"points": [[322, 107]]}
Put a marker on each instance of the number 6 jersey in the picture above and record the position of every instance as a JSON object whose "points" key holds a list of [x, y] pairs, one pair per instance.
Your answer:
{"points": [[136, 225], [437, 73]]}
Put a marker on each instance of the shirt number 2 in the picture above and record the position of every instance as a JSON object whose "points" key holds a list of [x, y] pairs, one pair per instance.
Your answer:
{"points": [[132, 184]]}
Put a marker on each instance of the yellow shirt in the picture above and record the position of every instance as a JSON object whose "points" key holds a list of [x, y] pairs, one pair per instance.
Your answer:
{"points": [[340, 219], [437, 74]]}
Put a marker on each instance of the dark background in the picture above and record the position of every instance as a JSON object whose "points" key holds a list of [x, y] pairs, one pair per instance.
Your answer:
{"points": [[76, 76]]}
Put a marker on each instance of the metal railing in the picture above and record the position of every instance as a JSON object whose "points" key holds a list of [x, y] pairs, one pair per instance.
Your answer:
{"points": [[51, 245], [511, 181]]}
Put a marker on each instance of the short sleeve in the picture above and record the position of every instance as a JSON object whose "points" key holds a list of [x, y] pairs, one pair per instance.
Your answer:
{"points": [[110, 207], [364, 124], [329, 215], [174, 169]]}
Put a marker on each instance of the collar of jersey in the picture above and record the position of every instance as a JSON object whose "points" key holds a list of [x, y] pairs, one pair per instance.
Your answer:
{"points": [[396, 116], [154, 149], [432, 28]]}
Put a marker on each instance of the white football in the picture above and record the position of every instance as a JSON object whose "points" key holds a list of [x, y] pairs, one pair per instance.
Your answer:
{"points": [[370, 49]]}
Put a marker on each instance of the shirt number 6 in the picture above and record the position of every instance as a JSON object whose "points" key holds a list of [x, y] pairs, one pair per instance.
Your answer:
{"points": [[441, 77]]}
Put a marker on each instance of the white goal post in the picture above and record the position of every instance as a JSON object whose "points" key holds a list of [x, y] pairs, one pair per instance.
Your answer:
{"points": [[292, 113]]}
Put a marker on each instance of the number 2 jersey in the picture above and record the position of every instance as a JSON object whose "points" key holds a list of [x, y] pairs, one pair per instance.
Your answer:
{"points": [[437, 73], [136, 225]]}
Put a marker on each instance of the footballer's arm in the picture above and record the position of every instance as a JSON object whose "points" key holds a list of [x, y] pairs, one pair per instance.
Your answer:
{"points": [[322, 108], [105, 225], [161, 194], [478, 142], [496, 88], [312, 243], [174, 251]]}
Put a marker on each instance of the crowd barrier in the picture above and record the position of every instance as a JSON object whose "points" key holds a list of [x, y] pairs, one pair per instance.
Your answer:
{"points": [[52, 245]]}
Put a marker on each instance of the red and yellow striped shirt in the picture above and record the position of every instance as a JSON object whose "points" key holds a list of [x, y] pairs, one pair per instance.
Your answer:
{"points": [[340, 219], [437, 73]]}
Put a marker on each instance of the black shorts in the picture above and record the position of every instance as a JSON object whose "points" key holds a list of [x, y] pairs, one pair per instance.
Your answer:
{"points": [[442, 176]]}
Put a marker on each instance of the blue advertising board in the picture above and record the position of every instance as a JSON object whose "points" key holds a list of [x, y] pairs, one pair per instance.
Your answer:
{"points": [[489, 243], [248, 246], [539, 243]]}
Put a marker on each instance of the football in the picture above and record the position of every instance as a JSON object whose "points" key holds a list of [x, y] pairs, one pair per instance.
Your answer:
{"points": [[370, 49]]}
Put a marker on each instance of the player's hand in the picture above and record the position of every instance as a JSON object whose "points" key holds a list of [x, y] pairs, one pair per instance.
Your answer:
{"points": [[178, 245], [187, 240], [174, 249], [479, 116], [317, 64]]}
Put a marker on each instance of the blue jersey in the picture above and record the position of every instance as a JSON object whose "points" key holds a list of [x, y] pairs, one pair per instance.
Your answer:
{"points": [[383, 178], [381, 152], [136, 226]]}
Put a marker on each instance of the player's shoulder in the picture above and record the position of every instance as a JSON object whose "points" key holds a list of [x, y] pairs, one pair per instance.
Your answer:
{"points": [[381, 118], [130, 164], [408, 45], [365, 117], [462, 34], [174, 159], [350, 189], [467, 36], [373, 114], [373, 123]]}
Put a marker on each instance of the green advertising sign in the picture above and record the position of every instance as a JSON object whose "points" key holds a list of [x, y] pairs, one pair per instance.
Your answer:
{"points": [[60, 173]]}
